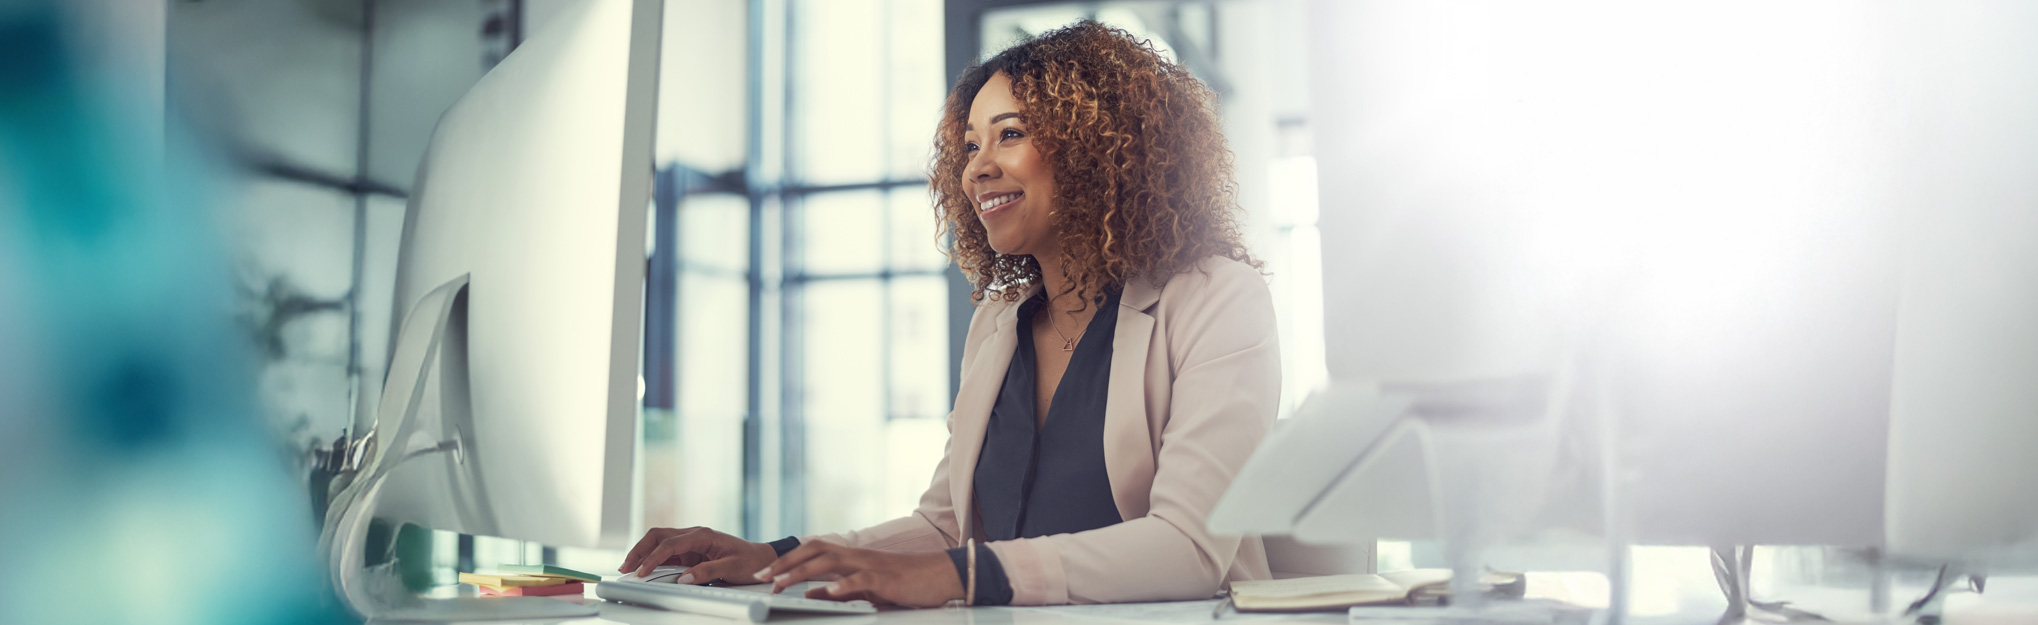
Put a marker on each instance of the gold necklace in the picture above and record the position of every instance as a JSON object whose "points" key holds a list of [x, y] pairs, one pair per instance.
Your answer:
{"points": [[1067, 344]]}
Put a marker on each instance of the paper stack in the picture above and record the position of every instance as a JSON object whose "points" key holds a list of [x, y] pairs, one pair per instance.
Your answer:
{"points": [[519, 580]]}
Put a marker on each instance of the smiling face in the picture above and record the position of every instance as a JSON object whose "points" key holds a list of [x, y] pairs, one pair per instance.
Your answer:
{"points": [[1006, 178]]}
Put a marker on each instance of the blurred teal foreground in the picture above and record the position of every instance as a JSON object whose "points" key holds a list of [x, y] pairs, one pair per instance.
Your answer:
{"points": [[137, 483]]}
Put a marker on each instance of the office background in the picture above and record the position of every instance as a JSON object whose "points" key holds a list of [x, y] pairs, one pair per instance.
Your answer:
{"points": [[802, 330]]}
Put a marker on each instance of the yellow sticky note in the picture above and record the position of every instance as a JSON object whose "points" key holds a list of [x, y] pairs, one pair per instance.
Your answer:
{"points": [[510, 581]]}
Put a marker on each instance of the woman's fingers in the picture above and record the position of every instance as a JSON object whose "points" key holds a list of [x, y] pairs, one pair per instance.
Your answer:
{"points": [[644, 546], [825, 563], [658, 553], [799, 555], [725, 569], [650, 542], [849, 588], [666, 549], [920, 579]]}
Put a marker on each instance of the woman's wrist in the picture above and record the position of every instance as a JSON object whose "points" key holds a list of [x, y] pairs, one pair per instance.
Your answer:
{"points": [[992, 587], [765, 551]]}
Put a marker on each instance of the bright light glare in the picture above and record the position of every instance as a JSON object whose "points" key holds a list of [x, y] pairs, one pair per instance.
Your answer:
{"points": [[1512, 170], [1685, 155], [1297, 266]]}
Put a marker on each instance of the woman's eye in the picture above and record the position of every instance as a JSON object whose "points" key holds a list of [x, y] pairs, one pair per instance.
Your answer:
{"points": [[969, 146], [1010, 134]]}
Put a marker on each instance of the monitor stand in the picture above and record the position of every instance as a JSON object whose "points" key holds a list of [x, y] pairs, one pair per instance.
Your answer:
{"points": [[374, 593]]}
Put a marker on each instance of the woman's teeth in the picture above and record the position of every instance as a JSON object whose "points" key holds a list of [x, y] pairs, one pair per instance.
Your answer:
{"points": [[1001, 200]]}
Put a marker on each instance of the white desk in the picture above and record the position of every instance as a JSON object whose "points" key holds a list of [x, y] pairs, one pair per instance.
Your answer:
{"points": [[2013, 600]]}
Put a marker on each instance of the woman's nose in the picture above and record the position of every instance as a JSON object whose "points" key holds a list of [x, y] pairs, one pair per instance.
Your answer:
{"points": [[980, 168]]}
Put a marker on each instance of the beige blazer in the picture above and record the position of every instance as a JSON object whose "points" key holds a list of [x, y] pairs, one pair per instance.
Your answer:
{"points": [[1195, 384]]}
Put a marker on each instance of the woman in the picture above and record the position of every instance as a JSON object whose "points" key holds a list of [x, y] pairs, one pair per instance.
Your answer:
{"points": [[1121, 366]]}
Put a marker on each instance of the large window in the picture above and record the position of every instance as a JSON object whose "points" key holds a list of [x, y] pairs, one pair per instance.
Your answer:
{"points": [[798, 380], [867, 375]]}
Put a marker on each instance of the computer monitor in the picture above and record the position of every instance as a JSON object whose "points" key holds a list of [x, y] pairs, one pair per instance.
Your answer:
{"points": [[1964, 407], [1964, 419], [511, 404], [534, 191]]}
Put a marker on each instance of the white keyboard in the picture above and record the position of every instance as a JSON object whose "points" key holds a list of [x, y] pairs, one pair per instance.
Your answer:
{"points": [[748, 605]]}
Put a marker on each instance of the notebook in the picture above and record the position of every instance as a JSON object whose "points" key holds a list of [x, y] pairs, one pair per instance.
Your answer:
{"points": [[1412, 587]]}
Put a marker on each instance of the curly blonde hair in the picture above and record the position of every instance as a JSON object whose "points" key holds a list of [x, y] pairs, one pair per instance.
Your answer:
{"points": [[1144, 179]]}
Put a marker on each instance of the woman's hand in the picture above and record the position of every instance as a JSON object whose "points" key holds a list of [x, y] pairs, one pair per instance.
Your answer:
{"points": [[922, 579], [713, 555]]}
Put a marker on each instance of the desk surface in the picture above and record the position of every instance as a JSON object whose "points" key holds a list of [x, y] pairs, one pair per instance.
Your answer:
{"points": [[1962, 610]]}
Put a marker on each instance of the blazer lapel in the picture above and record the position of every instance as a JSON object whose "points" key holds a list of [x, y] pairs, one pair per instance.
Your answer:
{"points": [[1128, 442], [973, 402]]}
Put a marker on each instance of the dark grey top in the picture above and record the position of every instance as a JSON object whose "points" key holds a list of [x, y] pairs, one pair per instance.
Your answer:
{"points": [[1038, 481]]}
